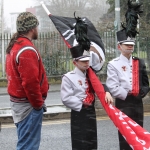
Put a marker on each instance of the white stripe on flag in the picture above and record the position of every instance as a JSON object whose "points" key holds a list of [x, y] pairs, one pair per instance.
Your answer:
{"points": [[69, 36], [66, 32], [146, 133], [132, 132]]}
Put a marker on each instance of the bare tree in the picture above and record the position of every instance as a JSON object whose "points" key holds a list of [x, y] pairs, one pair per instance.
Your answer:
{"points": [[93, 9], [68, 7]]}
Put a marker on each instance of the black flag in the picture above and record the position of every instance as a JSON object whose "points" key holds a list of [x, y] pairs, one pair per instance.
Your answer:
{"points": [[65, 26]]}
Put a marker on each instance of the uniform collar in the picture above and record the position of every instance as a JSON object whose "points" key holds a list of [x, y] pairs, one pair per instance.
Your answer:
{"points": [[79, 72], [122, 57]]}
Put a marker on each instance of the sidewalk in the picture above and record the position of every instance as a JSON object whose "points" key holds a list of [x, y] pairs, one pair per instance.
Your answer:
{"points": [[53, 112], [56, 112]]}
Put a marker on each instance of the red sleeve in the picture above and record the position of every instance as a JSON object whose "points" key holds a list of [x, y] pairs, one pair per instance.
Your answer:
{"points": [[28, 68]]}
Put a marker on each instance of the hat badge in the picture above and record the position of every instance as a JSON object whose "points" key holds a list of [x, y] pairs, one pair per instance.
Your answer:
{"points": [[129, 38]]}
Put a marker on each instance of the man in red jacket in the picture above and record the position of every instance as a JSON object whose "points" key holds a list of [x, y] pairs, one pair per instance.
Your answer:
{"points": [[27, 82]]}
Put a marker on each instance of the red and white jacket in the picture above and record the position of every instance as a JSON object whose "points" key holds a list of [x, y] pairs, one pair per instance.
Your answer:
{"points": [[25, 73]]}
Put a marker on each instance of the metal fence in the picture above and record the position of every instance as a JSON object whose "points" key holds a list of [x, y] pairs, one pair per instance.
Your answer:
{"points": [[56, 56]]}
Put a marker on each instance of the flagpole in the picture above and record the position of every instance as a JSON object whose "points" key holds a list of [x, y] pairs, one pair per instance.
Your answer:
{"points": [[117, 23], [45, 8], [138, 44]]}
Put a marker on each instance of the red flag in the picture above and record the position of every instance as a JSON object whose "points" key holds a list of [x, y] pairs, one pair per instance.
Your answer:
{"points": [[137, 137]]}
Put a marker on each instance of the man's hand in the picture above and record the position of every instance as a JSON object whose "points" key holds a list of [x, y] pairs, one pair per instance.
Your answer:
{"points": [[44, 107], [108, 98]]}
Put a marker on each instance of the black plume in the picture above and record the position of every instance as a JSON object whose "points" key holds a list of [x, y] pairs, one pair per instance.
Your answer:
{"points": [[81, 33], [132, 15]]}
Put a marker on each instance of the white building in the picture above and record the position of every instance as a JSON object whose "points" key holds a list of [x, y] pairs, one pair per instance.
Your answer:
{"points": [[13, 21]]}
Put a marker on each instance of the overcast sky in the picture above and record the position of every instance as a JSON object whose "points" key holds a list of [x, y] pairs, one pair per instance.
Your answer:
{"points": [[14, 6]]}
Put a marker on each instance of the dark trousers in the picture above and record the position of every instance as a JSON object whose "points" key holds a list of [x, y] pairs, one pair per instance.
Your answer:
{"points": [[84, 129], [132, 107]]}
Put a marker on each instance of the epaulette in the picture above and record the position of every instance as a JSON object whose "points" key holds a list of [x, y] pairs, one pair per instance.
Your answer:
{"points": [[72, 72], [133, 57], [116, 59], [68, 73]]}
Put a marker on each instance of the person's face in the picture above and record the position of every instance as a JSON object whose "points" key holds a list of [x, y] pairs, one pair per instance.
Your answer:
{"points": [[126, 49], [35, 33], [82, 65]]}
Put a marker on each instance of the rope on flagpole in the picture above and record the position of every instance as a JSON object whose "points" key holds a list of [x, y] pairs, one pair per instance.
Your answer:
{"points": [[45, 8]]}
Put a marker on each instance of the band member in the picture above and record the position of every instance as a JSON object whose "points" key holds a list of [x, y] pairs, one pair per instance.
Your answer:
{"points": [[127, 77], [78, 94]]}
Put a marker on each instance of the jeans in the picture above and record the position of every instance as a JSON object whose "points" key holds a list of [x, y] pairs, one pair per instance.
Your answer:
{"points": [[29, 131]]}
